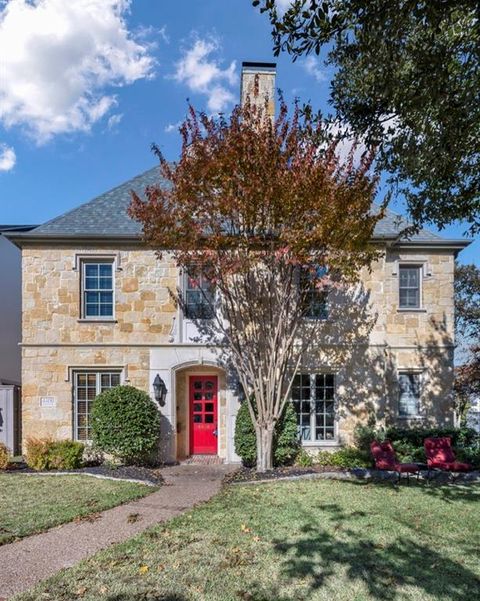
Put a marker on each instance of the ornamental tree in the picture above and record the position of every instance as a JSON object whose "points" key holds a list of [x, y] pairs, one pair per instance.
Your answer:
{"points": [[265, 211], [406, 77]]}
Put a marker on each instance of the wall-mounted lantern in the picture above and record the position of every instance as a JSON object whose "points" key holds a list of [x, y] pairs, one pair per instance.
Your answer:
{"points": [[159, 390]]}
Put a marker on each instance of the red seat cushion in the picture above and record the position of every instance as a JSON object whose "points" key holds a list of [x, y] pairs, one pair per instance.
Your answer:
{"points": [[451, 466], [384, 455], [385, 458], [440, 455]]}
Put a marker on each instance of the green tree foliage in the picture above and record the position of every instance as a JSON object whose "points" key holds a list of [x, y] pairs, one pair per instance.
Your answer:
{"points": [[467, 301], [125, 423], [285, 442], [406, 78]]}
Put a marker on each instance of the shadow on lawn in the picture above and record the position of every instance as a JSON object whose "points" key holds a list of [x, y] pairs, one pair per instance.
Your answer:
{"points": [[384, 569]]}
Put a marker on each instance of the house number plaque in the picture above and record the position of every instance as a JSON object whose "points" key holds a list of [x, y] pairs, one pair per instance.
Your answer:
{"points": [[48, 401]]}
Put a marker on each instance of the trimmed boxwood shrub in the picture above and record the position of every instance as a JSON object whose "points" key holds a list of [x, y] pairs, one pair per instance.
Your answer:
{"points": [[285, 440], [48, 454], [125, 423]]}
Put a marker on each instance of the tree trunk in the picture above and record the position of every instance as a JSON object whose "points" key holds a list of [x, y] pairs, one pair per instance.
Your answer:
{"points": [[265, 448]]}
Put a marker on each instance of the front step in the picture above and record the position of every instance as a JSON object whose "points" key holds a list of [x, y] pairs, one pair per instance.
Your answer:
{"points": [[202, 460]]}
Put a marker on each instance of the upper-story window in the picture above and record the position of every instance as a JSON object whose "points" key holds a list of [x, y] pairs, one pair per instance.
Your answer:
{"points": [[410, 286], [97, 290], [314, 297], [199, 297]]}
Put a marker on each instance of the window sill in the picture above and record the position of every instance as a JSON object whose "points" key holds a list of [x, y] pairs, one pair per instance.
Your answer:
{"points": [[320, 443], [411, 417], [93, 320], [411, 310]]}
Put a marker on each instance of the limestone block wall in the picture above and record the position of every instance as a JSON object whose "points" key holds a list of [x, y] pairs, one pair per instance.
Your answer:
{"points": [[47, 372], [366, 342], [433, 324], [144, 311]]}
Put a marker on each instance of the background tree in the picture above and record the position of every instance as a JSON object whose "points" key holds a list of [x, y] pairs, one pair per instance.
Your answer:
{"points": [[467, 384], [407, 79], [467, 303], [255, 206], [467, 332]]}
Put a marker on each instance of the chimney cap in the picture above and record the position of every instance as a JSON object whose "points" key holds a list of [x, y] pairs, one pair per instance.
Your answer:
{"points": [[259, 65]]}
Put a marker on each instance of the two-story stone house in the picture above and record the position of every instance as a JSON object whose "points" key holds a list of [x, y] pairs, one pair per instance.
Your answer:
{"points": [[97, 312]]}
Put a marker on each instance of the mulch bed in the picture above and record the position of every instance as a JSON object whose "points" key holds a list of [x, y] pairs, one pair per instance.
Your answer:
{"points": [[249, 474], [150, 475]]}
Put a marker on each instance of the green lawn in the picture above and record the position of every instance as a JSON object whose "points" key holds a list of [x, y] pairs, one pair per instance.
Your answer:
{"points": [[30, 504], [327, 540]]}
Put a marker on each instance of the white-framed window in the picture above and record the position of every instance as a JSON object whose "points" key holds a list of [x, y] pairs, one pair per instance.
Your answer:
{"points": [[313, 397], [86, 386], [409, 392], [314, 298], [409, 286], [199, 297], [98, 298]]}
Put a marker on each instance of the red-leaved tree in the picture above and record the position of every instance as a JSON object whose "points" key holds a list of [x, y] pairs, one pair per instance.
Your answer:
{"points": [[274, 221]]}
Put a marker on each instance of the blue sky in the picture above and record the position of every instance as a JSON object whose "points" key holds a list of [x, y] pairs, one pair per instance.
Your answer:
{"points": [[87, 86]]}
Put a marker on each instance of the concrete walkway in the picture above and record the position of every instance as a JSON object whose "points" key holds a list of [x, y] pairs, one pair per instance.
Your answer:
{"points": [[28, 561]]}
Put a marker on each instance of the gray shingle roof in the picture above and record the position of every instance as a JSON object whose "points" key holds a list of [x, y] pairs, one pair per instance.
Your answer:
{"points": [[106, 216]]}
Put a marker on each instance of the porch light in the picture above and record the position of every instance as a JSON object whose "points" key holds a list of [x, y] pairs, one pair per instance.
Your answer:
{"points": [[159, 390]]}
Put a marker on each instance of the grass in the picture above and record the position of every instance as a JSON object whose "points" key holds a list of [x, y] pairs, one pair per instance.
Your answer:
{"points": [[321, 540], [30, 504]]}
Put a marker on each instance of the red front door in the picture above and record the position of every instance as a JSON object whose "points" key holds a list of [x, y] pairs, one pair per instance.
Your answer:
{"points": [[203, 415]]}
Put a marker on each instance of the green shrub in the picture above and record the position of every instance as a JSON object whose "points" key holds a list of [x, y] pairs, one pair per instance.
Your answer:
{"points": [[470, 455], [126, 424], [304, 459], [65, 455], [49, 454], [347, 457], [4, 457], [364, 435], [285, 440], [461, 437]]}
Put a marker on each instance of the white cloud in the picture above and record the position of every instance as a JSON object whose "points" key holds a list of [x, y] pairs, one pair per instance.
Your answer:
{"points": [[58, 60], [313, 67], [347, 143], [8, 158], [283, 5], [203, 75], [171, 127], [114, 121]]}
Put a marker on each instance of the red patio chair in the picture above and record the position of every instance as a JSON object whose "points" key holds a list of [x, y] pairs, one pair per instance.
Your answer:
{"points": [[440, 455], [385, 459]]}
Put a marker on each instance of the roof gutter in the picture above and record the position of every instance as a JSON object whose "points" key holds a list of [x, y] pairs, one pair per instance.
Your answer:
{"points": [[22, 239]]}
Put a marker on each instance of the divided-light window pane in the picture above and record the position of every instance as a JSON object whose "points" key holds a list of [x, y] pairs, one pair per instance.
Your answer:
{"points": [[409, 394], [98, 289], [199, 296], [87, 386], [409, 286], [313, 398]]}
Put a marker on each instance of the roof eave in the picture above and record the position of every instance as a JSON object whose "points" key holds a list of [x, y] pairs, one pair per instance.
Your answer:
{"points": [[21, 239]]}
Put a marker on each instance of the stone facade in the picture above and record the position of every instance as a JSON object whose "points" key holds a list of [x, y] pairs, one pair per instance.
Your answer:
{"points": [[366, 340]]}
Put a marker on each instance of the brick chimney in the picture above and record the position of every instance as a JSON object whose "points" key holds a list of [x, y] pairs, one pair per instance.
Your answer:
{"points": [[266, 73]]}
